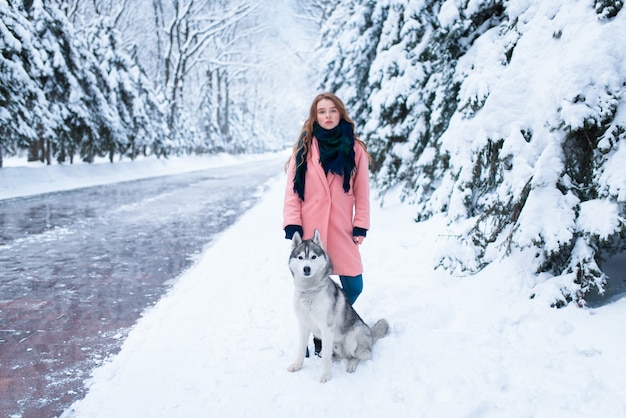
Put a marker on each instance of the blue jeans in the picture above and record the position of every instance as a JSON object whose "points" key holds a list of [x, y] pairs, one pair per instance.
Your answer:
{"points": [[352, 287]]}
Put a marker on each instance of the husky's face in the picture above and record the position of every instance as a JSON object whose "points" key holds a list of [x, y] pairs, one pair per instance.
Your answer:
{"points": [[308, 261]]}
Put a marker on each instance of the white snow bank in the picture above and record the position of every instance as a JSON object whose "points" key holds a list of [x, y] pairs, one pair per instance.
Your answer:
{"points": [[220, 342]]}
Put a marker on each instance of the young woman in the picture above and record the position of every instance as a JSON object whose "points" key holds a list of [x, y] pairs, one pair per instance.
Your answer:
{"points": [[328, 189]]}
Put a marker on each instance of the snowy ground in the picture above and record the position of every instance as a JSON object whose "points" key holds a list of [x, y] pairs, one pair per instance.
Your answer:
{"points": [[220, 342]]}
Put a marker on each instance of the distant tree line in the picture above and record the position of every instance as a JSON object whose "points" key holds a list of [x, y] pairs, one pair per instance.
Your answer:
{"points": [[121, 78]]}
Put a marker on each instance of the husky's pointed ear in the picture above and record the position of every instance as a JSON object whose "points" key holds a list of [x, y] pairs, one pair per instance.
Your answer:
{"points": [[296, 239], [316, 237]]}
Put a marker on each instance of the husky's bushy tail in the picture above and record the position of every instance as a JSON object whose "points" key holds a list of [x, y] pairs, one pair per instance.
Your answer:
{"points": [[379, 330]]}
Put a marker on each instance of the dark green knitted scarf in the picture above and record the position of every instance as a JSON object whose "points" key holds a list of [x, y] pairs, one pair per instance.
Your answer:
{"points": [[336, 154]]}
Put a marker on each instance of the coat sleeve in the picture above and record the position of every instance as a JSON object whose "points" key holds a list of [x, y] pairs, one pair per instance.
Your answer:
{"points": [[361, 189], [292, 206]]}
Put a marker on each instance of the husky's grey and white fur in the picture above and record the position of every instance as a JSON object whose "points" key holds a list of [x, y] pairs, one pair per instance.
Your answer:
{"points": [[322, 309]]}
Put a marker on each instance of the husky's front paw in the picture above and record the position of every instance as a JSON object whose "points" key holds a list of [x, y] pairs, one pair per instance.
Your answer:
{"points": [[295, 367], [325, 378]]}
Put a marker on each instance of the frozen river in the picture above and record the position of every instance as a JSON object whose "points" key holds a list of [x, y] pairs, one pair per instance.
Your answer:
{"points": [[78, 268]]}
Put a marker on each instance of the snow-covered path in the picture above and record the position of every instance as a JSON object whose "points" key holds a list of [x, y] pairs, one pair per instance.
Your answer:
{"points": [[77, 269], [219, 343]]}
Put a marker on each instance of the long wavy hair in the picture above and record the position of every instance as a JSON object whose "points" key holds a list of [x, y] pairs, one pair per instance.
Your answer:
{"points": [[306, 134]]}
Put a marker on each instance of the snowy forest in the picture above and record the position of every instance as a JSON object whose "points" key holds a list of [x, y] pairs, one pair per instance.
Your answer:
{"points": [[506, 117], [122, 78]]}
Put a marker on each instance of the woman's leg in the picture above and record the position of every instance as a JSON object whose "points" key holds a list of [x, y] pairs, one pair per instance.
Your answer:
{"points": [[352, 287]]}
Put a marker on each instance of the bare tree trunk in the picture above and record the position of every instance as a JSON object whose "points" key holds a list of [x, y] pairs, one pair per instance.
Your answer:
{"points": [[194, 25], [218, 104], [48, 152], [159, 24], [35, 151], [225, 105]]}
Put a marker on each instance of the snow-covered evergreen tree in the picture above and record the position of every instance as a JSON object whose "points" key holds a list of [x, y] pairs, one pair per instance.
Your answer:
{"points": [[75, 86], [21, 104], [348, 43], [508, 117], [139, 118], [66, 94]]}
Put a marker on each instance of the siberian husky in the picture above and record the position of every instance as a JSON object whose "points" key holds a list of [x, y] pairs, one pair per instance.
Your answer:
{"points": [[322, 309]]}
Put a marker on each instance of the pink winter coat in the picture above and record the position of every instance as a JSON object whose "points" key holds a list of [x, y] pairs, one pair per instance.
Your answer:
{"points": [[330, 209]]}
